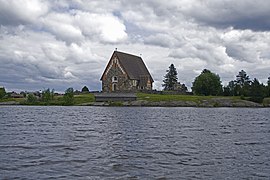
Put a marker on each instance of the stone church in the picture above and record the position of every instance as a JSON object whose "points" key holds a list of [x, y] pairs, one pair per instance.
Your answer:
{"points": [[126, 73]]}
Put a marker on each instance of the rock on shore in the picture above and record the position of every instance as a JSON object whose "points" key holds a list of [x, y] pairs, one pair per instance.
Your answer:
{"points": [[214, 102]]}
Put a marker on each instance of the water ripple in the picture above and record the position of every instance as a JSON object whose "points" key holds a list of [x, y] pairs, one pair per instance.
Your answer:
{"points": [[134, 143]]}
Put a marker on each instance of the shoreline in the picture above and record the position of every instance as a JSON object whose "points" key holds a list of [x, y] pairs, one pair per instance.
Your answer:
{"points": [[210, 103]]}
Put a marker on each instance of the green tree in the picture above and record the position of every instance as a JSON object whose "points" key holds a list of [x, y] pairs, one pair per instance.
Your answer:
{"points": [[69, 97], [230, 90], [31, 98], [170, 79], [2, 92], [85, 89], [47, 95], [184, 88], [243, 83], [257, 91], [207, 83]]}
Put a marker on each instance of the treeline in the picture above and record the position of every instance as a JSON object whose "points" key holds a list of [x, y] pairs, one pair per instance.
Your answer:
{"points": [[209, 84], [47, 97]]}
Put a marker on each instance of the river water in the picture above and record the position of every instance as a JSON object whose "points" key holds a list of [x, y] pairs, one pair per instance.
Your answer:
{"points": [[134, 143]]}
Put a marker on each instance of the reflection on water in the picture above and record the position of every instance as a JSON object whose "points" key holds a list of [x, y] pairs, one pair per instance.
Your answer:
{"points": [[136, 143]]}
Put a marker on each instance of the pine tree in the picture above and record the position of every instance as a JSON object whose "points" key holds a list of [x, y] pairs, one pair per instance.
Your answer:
{"points": [[243, 83], [85, 89], [242, 78], [257, 91], [170, 79]]}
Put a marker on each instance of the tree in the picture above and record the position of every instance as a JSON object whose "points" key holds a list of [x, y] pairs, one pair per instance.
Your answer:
{"points": [[85, 89], [31, 98], [231, 89], [243, 83], [184, 88], [170, 79], [69, 97], [207, 83], [2, 92], [267, 88], [242, 78], [47, 95], [257, 91]]}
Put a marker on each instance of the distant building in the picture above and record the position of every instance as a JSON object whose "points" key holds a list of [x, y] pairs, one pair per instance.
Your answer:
{"points": [[15, 95], [124, 73]]}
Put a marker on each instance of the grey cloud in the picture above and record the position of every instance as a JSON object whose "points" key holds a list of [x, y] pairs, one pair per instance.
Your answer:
{"points": [[162, 40], [240, 14], [68, 43], [241, 53], [16, 12]]}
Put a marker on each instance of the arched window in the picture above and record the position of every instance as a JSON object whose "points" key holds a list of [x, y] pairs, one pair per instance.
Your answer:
{"points": [[114, 87]]}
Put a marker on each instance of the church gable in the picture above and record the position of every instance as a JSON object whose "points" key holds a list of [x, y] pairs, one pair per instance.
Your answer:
{"points": [[112, 66]]}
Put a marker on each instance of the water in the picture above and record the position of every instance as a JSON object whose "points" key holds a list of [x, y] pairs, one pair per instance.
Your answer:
{"points": [[134, 143]]}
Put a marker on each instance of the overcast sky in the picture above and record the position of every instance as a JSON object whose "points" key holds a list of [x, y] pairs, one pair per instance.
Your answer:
{"points": [[67, 43]]}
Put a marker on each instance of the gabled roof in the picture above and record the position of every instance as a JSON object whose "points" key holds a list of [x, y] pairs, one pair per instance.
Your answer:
{"points": [[132, 65]]}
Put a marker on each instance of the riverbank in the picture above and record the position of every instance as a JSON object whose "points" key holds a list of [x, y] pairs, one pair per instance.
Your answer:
{"points": [[151, 100], [215, 102]]}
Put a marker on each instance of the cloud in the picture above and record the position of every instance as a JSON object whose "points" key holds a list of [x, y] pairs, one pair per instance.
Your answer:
{"points": [[41, 59], [16, 12], [62, 26], [77, 25], [246, 45], [106, 27], [58, 44], [241, 14]]}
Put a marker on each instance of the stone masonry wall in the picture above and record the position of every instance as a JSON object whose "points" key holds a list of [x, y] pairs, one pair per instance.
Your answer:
{"points": [[123, 84]]}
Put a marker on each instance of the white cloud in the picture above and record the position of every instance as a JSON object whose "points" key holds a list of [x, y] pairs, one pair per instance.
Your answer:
{"points": [[62, 26], [16, 12], [65, 43], [75, 26], [106, 27]]}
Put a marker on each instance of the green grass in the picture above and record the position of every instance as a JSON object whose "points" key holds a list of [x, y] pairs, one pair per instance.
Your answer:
{"points": [[12, 99], [83, 98], [162, 97], [57, 101], [78, 99]]}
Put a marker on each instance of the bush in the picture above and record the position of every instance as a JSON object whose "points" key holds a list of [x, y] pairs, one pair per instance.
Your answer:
{"points": [[47, 96], [69, 97], [2, 92], [256, 99], [31, 98]]}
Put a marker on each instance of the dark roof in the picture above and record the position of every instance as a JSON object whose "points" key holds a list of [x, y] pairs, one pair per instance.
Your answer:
{"points": [[133, 65]]}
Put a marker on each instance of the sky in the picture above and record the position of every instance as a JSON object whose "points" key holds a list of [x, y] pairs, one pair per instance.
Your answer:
{"points": [[68, 43]]}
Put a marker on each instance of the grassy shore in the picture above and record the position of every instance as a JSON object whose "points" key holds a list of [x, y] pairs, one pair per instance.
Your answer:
{"points": [[57, 101], [191, 98], [147, 100]]}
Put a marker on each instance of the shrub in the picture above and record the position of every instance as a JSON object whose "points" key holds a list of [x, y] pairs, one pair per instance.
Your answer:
{"points": [[69, 97], [31, 98]]}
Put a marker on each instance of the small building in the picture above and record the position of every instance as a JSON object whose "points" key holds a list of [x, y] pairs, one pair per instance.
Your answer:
{"points": [[126, 73]]}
